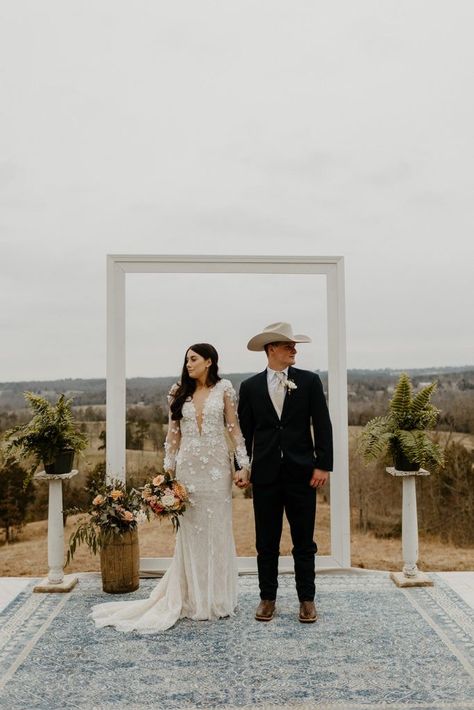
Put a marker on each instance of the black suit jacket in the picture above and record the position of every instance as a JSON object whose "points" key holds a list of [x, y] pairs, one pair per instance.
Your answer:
{"points": [[267, 437]]}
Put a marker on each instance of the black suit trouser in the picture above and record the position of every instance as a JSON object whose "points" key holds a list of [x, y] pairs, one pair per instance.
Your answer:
{"points": [[297, 499]]}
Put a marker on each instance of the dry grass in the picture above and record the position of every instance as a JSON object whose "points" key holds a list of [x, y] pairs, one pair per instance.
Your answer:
{"points": [[28, 556]]}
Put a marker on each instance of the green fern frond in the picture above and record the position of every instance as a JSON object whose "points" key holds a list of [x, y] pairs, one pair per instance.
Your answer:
{"points": [[422, 399], [402, 397], [51, 428], [40, 405], [427, 418], [419, 448], [374, 438], [423, 414]]}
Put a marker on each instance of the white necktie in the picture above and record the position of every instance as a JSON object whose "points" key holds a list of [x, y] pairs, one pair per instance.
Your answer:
{"points": [[279, 392]]}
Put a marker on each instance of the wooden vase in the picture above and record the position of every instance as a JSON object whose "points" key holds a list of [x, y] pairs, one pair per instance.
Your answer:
{"points": [[119, 563]]}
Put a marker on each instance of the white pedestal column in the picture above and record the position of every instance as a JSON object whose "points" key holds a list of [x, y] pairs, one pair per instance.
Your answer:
{"points": [[56, 581], [410, 576]]}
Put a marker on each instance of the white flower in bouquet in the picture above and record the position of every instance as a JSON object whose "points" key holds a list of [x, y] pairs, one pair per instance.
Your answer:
{"points": [[168, 500]]}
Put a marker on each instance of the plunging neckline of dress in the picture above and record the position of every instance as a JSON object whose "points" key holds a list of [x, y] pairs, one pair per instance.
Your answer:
{"points": [[196, 418]]}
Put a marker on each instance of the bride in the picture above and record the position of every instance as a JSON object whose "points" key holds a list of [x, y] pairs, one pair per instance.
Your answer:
{"points": [[201, 582]]}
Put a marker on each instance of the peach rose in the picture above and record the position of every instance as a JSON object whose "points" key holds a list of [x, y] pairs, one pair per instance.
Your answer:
{"points": [[98, 500], [158, 480], [180, 490], [116, 494], [127, 515]]}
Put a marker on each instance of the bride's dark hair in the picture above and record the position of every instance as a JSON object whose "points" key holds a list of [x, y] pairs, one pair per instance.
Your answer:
{"points": [[187, 386]]}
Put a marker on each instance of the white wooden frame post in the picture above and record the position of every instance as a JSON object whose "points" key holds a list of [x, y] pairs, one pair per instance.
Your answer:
{"points": [[330, 266]]}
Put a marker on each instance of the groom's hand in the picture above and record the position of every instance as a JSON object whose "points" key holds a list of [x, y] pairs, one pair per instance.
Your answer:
{"points": [[319, 478], [241, 478]]}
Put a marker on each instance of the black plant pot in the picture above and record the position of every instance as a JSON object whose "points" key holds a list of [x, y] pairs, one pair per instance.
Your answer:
{"points": [[404, 464], [62, 463]]}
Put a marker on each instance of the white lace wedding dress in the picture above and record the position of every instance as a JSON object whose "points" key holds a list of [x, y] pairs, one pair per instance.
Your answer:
{"points": [[201, 582]]}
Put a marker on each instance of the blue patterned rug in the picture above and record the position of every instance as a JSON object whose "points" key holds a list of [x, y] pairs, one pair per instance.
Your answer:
{"points": [[374, 645]]}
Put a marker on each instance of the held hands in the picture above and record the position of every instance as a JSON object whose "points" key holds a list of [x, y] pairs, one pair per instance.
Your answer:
{"points": [[319, 478], [242, 478]]}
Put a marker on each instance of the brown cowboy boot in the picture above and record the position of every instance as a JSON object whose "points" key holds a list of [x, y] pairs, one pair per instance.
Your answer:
{"points": [[265, 610], [307, 613]]}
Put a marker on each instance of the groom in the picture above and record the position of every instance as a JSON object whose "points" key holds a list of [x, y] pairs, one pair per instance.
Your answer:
{"points": [[288, 461]]}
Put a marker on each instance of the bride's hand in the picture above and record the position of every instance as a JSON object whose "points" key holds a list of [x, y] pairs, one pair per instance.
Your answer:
{"points": [[242, 478]]}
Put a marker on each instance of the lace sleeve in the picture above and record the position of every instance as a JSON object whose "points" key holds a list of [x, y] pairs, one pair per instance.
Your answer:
{"points": [[173, 437], [232, 424]]}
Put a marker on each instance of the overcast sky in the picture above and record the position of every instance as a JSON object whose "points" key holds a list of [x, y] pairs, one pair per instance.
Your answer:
{"points": [[235, 127]]}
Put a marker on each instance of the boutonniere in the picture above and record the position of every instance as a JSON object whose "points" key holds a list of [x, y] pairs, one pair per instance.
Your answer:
{"points": [[290, 385]]}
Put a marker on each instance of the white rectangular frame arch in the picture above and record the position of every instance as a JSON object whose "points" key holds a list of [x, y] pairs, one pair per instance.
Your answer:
{"points": [[118, 265]]}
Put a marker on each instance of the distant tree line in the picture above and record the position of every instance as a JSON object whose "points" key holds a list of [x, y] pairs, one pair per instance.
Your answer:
{"points": [[369, 392]]}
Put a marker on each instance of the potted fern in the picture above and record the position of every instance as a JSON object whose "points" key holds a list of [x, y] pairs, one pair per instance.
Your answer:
{"points": [[50, 436], [401, 433]]}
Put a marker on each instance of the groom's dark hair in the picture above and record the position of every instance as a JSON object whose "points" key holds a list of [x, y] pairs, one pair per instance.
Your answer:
{"points": [[187, 386], [267, 345]]}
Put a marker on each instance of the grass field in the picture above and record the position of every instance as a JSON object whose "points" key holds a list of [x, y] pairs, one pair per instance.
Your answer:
{"points": [[28, 556]]}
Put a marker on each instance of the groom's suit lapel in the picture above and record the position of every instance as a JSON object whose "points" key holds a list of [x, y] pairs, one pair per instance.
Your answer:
{"points": [[287, 404], [263, 390]]}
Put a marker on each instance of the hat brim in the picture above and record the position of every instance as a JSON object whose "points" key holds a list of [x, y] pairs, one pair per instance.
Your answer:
{"points": [[258, 342]]}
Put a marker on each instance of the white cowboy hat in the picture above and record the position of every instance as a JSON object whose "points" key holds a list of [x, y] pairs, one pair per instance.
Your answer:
{"points": [[275, 333]]}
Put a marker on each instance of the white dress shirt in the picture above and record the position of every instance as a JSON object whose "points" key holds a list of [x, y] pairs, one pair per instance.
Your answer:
{"points": [[276, 389], [273, 379]]}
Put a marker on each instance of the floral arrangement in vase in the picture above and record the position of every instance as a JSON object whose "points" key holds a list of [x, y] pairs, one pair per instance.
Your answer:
{"points": [[114, 510]]}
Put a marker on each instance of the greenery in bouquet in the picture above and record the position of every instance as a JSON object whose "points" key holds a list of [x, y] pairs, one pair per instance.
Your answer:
{"points": [[165, 497], [113, 510]]}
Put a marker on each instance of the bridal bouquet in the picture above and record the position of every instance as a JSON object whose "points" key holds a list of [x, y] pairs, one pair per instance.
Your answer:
{"points": [[166, 497]]}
